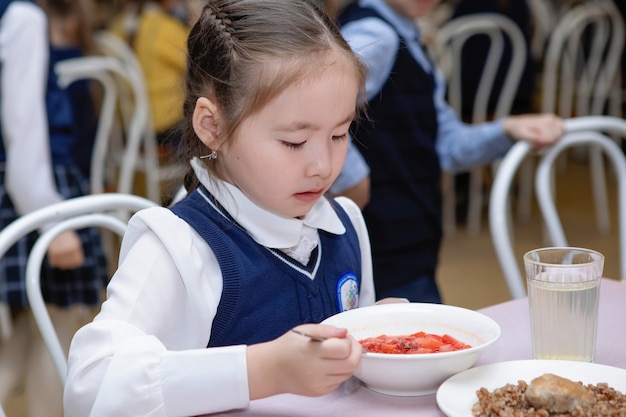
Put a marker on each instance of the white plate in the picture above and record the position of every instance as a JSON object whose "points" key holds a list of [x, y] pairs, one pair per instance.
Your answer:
{"points": [[457, 395]]}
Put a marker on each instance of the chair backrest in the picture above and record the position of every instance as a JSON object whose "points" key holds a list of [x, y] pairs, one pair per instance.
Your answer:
{"points": [[582, 60], [544, 17], [140, 150], [100, 69], [582, 130], [448, 48], [449, 43], [97, 210]]}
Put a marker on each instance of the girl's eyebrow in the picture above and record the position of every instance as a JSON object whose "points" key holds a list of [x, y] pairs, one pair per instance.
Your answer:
{"points": [[307, 125], [294, 127]]}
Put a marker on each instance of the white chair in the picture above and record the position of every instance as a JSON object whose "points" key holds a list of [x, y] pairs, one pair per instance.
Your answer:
{"points": [[69, 71], [449, 44], [140, 152], [579, 78], [95, 210], [544, 17], [583, 130], [102, 70]]}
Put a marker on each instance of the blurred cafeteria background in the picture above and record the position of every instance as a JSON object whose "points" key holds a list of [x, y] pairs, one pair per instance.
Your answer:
{"points": [[135, 87]]}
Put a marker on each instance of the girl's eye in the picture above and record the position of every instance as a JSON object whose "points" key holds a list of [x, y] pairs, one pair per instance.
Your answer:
{"points": [[292, 145], [340, 137]]}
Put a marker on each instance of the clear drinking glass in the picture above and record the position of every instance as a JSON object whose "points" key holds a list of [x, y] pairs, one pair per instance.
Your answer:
{"points": [[563, 296]]}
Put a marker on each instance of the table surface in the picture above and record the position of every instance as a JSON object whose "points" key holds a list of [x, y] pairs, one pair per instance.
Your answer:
{"points": [[352, 398]]}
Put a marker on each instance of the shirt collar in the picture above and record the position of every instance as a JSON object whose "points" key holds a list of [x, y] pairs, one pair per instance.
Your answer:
{"points": [[265, 227]]}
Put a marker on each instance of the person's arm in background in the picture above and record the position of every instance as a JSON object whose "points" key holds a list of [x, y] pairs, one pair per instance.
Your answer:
{"points": [[461, 146], [29, 180], [354, 180], [360, 193]]}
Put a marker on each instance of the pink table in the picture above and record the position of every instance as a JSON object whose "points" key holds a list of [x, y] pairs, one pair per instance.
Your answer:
{"points": [[353, 399]]}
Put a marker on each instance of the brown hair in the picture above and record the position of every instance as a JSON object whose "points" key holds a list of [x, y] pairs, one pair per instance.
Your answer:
{"points": [[80, 11], [242, 53]]}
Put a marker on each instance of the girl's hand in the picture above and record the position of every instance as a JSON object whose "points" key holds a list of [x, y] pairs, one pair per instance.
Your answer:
{"points": [[392, 300], [299, 365], [539, 129], [66, 251]]}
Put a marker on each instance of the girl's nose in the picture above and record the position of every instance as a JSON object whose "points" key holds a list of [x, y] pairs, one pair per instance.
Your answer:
{"points": [[320, 162]]}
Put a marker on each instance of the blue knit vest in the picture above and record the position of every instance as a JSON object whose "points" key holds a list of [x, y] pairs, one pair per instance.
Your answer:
{"points": [[266, 292], [398, 141], [59, 112]]}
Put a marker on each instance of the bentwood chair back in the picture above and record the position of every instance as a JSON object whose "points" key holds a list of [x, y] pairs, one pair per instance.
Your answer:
{"points": [[139, 130], [582, 60], [449, 44], [544, 17], [100, 69], [94, 210], [591, 130], [141, 150], [581, 78]]}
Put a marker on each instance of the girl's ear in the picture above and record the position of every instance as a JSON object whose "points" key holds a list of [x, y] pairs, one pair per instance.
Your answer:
{"points": [[206, 122]]}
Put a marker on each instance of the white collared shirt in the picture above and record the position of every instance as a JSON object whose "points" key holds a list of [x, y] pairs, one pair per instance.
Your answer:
{"points": [[145, 353]]}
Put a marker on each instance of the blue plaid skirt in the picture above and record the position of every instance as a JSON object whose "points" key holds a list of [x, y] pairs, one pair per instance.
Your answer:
{"points": [[63, 288]]}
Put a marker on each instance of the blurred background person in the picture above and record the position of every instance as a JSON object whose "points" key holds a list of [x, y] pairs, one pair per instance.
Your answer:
{"points": [[409, 135], [38, 168], [71, 36], [157, 32]]}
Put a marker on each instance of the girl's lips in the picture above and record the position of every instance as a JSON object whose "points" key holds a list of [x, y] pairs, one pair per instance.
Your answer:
{"points": [[309, 195]]}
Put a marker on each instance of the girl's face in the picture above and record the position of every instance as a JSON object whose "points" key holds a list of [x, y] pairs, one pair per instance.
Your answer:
{"points": [[286, 156], [412, 8]]}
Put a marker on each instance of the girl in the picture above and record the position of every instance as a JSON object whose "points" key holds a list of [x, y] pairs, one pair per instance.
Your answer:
{"points": [[256, 249]]}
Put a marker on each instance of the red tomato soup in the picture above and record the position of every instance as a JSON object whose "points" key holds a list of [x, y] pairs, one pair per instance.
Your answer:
{"points": [[419, 342]]}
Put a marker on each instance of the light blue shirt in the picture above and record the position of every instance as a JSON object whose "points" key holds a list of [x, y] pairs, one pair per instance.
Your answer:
{"points": [[355, 169], [460, 146]]}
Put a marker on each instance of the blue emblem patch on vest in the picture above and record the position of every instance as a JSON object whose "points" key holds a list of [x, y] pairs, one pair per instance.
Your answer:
{"points": [[347, 292]]}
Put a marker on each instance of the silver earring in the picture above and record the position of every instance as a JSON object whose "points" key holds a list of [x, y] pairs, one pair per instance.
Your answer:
{"points": [[210, 156]]}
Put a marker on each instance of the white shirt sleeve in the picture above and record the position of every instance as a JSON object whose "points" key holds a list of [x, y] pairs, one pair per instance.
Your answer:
{"points": [[122, 364], [24, 58]]}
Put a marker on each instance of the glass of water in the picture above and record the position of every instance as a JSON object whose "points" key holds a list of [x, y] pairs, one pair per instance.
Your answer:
{"points": [[563, 296]]}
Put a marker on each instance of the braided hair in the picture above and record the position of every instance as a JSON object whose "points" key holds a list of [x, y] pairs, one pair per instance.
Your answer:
{"points": [[243, 53]]}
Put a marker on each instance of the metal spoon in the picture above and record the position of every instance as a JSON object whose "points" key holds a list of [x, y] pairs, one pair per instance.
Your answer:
{"points": [[310, 336], [316, 338]]}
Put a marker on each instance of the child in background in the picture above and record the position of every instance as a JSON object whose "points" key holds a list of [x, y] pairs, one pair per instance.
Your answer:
{"points": [[71, 36], [410, 135], [38, 168], [199, 312], [157, 32]]}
